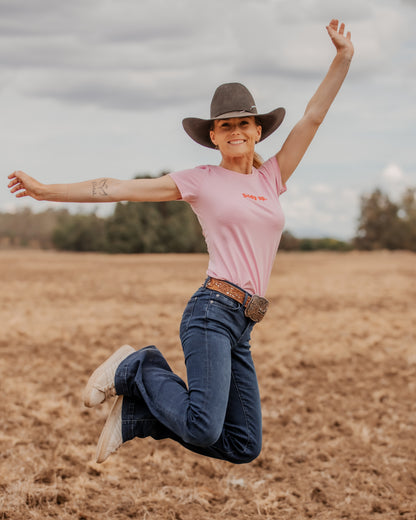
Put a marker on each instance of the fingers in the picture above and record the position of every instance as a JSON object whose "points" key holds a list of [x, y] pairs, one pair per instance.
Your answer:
{"points": [[341, 41], [16, 185], [333, 24], [17, 188], [16, 174], [13, 182], [14, 179]]}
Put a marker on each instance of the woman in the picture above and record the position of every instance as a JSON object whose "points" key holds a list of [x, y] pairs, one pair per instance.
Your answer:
{"points": [[217, 413]]}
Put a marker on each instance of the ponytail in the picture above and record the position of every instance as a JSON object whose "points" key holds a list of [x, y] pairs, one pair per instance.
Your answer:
{"points": [[257, 160]]}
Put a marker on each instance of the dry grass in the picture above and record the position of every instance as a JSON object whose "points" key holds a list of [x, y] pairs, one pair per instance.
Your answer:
{"points": [[336, 360]]}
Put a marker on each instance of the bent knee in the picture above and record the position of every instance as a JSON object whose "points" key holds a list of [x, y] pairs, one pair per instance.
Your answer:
{"points": [[251, 454], [203, 438], [246, 455]]}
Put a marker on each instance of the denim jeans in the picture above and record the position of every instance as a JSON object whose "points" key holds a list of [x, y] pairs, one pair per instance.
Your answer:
{"points": [[218, 413]]}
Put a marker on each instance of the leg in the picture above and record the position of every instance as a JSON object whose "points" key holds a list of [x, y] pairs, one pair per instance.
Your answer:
{"points": [[241, 436], [195, 415], [219, 415]]}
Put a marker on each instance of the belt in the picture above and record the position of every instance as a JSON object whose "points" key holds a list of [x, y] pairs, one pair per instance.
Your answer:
{"points": [[255, 307]]}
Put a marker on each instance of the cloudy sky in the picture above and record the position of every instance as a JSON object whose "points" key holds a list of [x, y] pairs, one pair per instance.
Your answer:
{"points": [[92, 88]]}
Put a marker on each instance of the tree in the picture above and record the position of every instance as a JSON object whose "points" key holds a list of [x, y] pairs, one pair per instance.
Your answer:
{"points": [[27, 229], [383, 224], [288, 242], [80, 233], [407, 214], [154, 227]]}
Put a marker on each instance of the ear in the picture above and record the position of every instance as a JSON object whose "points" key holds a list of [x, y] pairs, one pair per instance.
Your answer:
{"points": [[259, 131], [212, 137]]}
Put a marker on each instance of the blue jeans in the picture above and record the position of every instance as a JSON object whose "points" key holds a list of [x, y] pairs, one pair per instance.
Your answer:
{"points": [[218, 414]]}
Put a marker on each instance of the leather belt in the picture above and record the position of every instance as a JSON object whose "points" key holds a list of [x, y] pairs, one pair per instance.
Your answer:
{"points": [[255, 306], [229, 290]]}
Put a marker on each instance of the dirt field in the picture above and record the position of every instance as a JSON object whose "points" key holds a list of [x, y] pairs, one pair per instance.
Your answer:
{"points": [[336, 360]]}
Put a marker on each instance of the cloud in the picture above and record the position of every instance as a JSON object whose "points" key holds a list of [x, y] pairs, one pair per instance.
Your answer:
{"points": [[324, 189], [140, 91], [320, 210], [141, 55], [392, 173], [394, 180], [98, 77], [123, 56]]}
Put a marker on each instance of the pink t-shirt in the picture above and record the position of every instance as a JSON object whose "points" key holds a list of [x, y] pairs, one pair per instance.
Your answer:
{"points": [[241, 219]]}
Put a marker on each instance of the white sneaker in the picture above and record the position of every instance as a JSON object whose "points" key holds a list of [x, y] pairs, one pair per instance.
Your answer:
{"points": [[111, 437], [100, 385]]}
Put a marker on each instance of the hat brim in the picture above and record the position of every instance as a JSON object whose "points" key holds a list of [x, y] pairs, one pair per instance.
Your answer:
{"points": [[198, 129]]}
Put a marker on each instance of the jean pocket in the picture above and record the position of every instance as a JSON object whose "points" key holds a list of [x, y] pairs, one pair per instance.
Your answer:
{"points": [[225, 302]]}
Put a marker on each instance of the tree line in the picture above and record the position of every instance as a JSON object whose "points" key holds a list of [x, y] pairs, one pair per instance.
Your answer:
{"points": [[171, 227], [384, 224]]}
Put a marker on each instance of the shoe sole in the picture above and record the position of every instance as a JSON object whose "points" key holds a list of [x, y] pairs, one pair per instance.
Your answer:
{"points": [[116, 358], [102, 453]]}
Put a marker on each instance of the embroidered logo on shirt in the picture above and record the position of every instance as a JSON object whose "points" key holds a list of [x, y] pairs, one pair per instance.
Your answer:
{"points": [[253, 197]]}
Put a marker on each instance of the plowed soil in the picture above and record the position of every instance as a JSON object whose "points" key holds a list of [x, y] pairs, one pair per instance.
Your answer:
{"points": [[336, 361]]}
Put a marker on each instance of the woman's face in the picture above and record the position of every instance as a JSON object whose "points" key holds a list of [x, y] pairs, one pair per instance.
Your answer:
{"points": [[235, 136]]}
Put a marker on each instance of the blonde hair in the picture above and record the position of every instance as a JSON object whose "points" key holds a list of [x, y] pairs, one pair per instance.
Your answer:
{"points": [[257, 160]]}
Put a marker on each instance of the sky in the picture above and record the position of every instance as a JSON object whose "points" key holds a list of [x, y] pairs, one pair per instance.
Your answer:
{"points": [[98, 88]]}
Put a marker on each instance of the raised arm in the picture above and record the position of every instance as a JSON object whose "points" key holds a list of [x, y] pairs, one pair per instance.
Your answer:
{"points": [[304, 131], [96, 190]]}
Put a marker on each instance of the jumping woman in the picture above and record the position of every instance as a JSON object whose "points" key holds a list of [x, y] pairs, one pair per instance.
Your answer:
{"points": [[217, 412]]}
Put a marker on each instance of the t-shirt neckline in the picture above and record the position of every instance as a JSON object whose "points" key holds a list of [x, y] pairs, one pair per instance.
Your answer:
{"points": [[253, 171]]}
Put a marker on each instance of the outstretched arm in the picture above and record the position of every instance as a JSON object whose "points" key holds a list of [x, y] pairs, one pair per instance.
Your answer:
{"points": [[304, 131], [97, 190]]}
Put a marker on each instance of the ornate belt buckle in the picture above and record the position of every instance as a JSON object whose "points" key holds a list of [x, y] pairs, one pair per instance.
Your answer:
{"points": [[257, 308]]}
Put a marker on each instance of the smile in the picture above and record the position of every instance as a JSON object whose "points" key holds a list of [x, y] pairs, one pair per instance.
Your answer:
{"points": [[236, 141]]}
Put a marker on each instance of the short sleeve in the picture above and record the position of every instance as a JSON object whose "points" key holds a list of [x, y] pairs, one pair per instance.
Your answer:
{"points": [[271, 169], [189, 182]]}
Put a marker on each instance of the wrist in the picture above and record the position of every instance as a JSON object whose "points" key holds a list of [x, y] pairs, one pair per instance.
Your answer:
{"points": [[345, 54], [41, 191], [48, 192]]}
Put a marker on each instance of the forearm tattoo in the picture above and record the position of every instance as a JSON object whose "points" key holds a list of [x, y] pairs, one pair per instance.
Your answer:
{"points": [[99, 188]]}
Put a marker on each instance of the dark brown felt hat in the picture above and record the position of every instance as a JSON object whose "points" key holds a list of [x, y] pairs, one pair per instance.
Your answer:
{"points": [[231, 100]]}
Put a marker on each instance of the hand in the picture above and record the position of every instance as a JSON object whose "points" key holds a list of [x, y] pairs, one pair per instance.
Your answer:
{"points": [[342, 43], [24, 185]]}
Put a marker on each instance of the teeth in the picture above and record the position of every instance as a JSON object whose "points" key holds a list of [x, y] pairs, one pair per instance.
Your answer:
{"points": [[237, 141]]}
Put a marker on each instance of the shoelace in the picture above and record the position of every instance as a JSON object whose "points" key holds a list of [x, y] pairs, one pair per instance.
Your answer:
{"points": [[110, 392]]}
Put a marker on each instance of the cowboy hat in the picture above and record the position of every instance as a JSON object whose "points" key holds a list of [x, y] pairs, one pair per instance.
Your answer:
{"points": [[231, 100]]}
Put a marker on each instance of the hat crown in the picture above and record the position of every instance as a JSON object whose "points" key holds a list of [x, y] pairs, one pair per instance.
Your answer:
{"points": [[232, 97]]}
